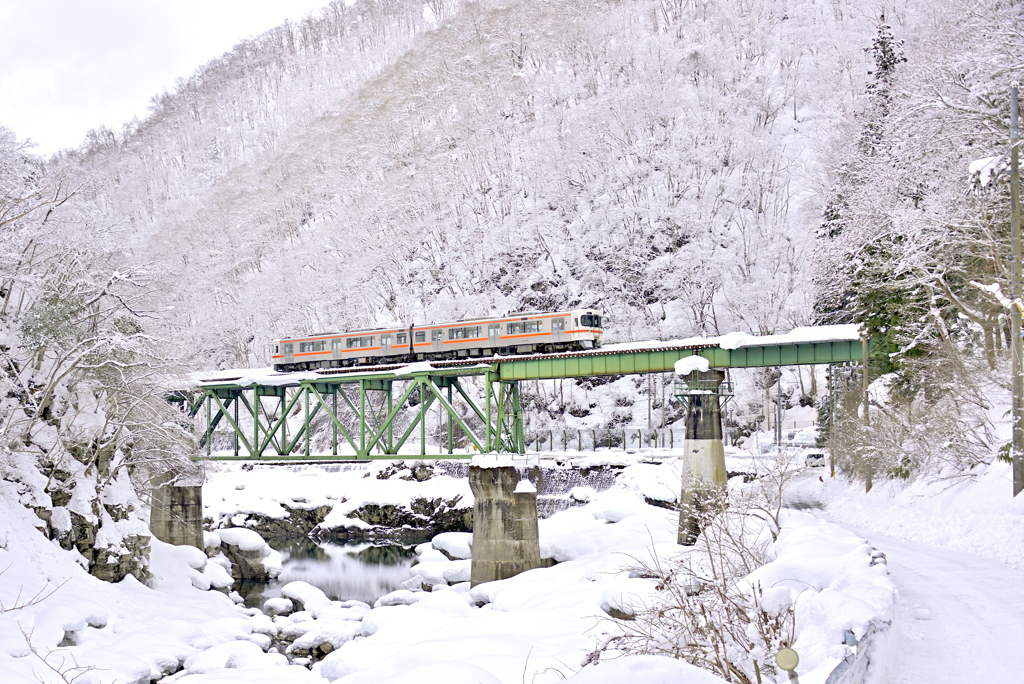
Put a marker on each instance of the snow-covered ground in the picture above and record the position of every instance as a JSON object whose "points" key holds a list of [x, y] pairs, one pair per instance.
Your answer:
{"points": [[972, 515], [955, 549], [230, 491], [959, 616], [58, 622], [539, 625]]}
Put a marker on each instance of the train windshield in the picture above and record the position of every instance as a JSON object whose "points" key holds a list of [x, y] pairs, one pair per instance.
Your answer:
{"points": [[590, 321]]}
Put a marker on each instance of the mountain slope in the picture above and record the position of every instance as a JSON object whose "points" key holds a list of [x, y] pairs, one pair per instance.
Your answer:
{"points": [[658, 160]]}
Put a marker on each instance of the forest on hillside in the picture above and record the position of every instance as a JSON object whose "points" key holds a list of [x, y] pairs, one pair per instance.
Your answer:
{"points": [[690, 167]]}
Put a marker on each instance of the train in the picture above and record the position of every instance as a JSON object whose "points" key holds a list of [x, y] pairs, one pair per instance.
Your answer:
{"points": [[526, 332]]}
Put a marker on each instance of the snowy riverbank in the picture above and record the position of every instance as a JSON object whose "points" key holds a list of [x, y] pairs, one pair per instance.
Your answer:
{"points": [[542, 623]]}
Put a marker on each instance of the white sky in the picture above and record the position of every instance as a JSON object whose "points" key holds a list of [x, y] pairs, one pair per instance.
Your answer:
{"points": [[67, 66]]}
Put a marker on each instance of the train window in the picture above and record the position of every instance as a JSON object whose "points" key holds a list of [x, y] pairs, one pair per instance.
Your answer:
{"points": [[401, 338], [275, 349], [457, 334], [366, 341], [352, 343], [514, 328], [590, 320], [421, 337], [289, 348], [531, 327], [472, 332], [304, 347], [320, 345]]}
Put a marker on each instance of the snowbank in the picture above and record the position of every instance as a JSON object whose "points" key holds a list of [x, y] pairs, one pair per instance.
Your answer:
{"points": [[123, 632], [326, 497], [836, 584], [649, 669], [978, 516]]}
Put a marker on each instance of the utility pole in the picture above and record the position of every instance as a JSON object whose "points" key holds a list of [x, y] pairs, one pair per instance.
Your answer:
{"points": [[1015, 285], [864, 378], [650, 399], [778, 415]]}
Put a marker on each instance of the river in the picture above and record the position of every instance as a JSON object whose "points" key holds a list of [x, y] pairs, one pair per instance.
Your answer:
{"points": [[342, 571]]}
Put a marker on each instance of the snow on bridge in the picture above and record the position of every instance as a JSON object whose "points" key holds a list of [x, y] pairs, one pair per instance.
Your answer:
{"points": [[805, 345]]}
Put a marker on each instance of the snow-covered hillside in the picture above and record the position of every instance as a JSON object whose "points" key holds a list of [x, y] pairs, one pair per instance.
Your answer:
{"points": [[389, 163], [688, 168]]}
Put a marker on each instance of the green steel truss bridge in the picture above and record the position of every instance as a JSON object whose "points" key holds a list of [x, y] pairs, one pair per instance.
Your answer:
{"points": [[256, 404]]}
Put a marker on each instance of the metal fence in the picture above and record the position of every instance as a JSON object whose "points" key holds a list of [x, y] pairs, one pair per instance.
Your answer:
{"points": [[591, 440]]}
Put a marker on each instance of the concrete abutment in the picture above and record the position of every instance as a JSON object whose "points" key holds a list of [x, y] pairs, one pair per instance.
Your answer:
{"points": [[505, 539], [704, 474], [176, 515]]}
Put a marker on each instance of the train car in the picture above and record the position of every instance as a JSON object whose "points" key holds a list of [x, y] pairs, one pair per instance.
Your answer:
{"points": [[518, 333]]}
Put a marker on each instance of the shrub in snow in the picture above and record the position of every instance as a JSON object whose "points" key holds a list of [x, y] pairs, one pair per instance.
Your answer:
{"points": [[936, 427], [746, 590], [700, 612]]}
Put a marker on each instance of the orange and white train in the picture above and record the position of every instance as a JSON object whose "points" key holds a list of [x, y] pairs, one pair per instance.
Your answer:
{"points": [[519, 333]]}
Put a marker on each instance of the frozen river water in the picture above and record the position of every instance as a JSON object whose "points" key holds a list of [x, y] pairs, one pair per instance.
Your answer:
{"points": [[342, 571]]}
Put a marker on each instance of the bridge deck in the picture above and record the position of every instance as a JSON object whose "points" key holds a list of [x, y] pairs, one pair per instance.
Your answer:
{"points": [[240, 398], [804, 346]]}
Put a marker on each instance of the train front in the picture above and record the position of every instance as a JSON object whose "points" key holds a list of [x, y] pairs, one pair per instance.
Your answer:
{"points": [[588, 328], [281, 354]]}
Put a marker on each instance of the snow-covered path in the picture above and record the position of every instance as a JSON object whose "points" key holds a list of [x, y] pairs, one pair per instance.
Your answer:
{"points": [[960, 617]]}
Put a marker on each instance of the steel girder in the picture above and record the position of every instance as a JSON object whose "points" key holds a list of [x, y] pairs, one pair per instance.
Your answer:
{"points": [[369, 405], [661, 360]]}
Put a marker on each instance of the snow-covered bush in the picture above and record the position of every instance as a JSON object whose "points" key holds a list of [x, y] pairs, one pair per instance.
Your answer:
{"points": [[940, 430], [83, 416], [703, 612]]}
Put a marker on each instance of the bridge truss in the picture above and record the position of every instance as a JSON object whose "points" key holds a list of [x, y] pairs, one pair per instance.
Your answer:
{"points": [[363, 404]]}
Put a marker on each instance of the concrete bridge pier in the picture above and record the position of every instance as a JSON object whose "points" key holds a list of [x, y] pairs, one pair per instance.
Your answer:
{"points": [[176, 514], [704, 474], [505, 540]]}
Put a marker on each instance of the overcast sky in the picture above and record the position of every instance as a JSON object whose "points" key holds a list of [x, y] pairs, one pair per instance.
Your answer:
{"points": [[67, 66]]}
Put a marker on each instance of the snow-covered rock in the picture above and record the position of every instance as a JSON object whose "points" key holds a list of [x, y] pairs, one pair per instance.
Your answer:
{"points": [[455, 545], [305, 596], [251, 557]]}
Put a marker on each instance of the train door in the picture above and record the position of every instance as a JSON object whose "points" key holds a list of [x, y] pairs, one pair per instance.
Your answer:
{"points": [[385, 344], [494, 336], [437, 340], [558, 330], [421, 340]]}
